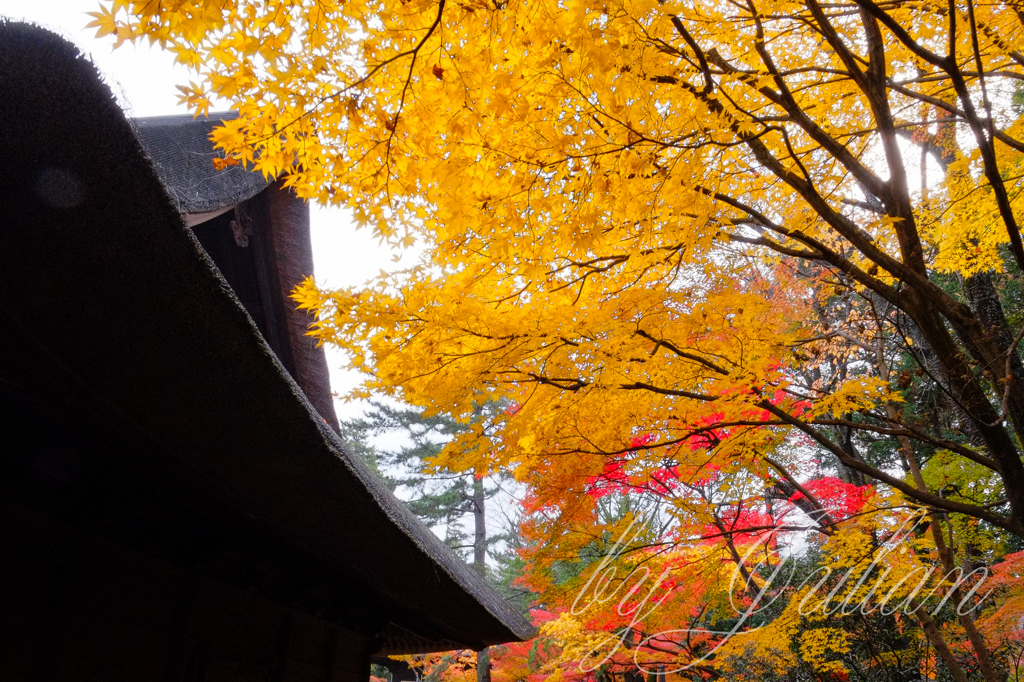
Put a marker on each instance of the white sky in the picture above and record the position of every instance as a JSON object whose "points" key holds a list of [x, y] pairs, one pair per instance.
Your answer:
{"points": [[144, 81]]}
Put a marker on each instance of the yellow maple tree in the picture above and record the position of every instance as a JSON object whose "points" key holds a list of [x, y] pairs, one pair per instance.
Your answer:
{"points": [[676, 237]]}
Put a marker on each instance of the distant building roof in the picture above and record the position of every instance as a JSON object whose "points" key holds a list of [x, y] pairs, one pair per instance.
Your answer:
{"points": [[182, 154]]}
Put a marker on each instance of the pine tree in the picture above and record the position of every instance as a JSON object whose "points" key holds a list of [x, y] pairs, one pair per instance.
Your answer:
{"points": [[441, 499]]}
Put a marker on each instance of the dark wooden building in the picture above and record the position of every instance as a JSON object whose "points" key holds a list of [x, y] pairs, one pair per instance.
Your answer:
{"points": [[257, 233], [175, 504]]}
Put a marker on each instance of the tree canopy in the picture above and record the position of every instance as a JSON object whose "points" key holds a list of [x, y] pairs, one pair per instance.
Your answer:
{"points": [[733, 257]]}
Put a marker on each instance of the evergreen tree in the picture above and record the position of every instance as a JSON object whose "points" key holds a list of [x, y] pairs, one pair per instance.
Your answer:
{"points": [[455, 502], [441, 498]]}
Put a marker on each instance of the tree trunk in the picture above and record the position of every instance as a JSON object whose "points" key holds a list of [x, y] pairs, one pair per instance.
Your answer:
{"points": [[483, 659], [483, 666], [479, 527], [988, 670]]}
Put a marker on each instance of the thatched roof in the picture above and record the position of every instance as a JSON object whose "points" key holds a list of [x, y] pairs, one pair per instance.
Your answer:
{"points": [[182, 154], [102, 279]]}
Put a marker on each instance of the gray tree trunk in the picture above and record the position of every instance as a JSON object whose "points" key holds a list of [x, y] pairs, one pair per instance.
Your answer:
{"points": [[483, 660]]}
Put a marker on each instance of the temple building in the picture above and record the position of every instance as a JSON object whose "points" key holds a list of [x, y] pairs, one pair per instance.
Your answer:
{"points": [[176, 504]]}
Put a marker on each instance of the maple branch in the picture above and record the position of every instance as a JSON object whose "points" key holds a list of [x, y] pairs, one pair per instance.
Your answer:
{"points": [[828, 255], [365, 78], [681, 353], [641, 386], [955, 111], [911, 432], [730, 532], [785, 99], [565, 384], [709, 81], [1011, 524], [959, 314], [414, 52], [824, 515], [901, 34], [902, 430], [777, 247]]}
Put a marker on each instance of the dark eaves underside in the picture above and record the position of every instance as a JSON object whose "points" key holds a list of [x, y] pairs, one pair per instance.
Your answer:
{"points": [[98, 268]]}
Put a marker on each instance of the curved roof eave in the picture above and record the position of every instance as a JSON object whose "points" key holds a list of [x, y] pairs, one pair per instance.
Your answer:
{"points": [[182, 154]]}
